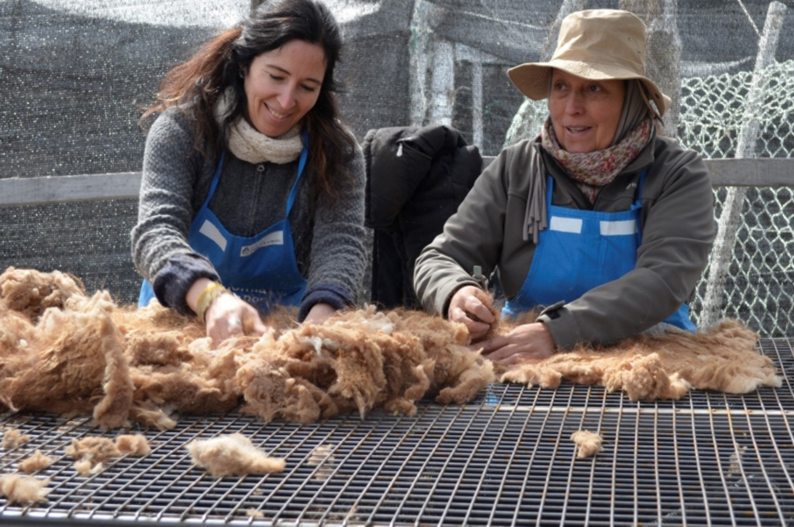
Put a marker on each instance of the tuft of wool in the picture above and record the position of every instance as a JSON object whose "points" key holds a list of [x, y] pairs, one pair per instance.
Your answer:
{"points": [[232, 455], [723, 358], [587, 443], [23, 490]]}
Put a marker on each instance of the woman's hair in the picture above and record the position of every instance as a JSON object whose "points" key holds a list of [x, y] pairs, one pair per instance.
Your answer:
{"points": [[223, 62]]}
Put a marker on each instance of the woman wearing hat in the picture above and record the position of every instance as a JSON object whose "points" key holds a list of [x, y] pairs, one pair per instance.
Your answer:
{"points": [[599, 221]]}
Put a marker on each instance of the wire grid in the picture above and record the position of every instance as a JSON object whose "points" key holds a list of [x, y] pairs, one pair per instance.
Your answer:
{"points": [[714, 110], [504, 459]]}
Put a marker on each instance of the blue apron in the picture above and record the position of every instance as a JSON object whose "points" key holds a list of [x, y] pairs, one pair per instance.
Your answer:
{"points": [[581, 250], [260, 269]]}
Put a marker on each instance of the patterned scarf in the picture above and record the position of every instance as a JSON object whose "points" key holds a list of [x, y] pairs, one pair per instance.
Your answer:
{"points": [[252, 146], [593, 170]]}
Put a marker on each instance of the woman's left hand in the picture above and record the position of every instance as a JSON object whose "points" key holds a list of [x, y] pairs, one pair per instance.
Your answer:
{"points": [[319, 313], [525, 343]]}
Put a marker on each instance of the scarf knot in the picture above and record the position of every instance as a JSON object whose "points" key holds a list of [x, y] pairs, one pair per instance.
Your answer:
{"points": [[591, 171], [250, 145]]}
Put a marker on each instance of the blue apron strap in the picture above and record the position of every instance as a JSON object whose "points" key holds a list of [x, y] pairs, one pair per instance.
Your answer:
{"points": [[301, 165], [216, 177], [637, 205], [641, 184], [549, 192]]}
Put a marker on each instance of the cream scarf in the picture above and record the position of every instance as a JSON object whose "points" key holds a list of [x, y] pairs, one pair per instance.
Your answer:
{"points": [[252, 146]]}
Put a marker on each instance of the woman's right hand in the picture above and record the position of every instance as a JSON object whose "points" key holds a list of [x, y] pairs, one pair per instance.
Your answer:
{"points": [[230, 316], [227, 315], [473, 307]]}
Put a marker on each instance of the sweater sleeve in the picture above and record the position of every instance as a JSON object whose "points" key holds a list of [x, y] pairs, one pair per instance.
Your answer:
{"points": [[160, 250], [338, 256], [678, 231]]}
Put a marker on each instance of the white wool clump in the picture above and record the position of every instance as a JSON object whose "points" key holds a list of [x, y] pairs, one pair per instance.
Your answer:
{"points": [[380, 322], [588, 443], [35, 462], [13, 438], [232, 454], [24, 490], [133, 445]]}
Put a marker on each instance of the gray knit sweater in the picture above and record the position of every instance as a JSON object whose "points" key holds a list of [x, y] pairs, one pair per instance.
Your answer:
{"points": [[328, 234]]}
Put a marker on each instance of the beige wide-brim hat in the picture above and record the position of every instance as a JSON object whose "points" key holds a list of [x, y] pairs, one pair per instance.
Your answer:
{"points": [[596, 44]]}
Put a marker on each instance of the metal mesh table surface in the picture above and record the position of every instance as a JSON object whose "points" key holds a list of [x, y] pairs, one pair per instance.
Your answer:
{"points": [[506, 458]]}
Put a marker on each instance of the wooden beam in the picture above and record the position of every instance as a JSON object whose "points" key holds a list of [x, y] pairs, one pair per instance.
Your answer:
{"points": [[766, 172], [758, 172], [49, 189]]}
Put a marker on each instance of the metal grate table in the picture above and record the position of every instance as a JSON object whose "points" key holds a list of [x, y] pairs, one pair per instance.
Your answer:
{"points": [[503, 459]]}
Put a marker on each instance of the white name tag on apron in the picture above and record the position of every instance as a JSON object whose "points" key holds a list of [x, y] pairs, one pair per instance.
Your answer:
{"points": [[211, 231], [274, 238], [618, 228], [561, 224]]}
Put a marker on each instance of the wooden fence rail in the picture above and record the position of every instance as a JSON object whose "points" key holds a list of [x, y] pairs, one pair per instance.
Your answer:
{"points": [[766, 172]]}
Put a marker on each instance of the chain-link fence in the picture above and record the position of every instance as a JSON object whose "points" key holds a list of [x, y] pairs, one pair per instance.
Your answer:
{"points": [[759, 279], [713, 110]]}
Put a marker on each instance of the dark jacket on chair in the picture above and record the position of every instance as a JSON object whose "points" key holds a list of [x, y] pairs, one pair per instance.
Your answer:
{"points": [[416, 178]]}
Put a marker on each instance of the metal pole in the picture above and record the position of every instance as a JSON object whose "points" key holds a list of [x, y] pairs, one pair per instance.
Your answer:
{"points": [[442, 83], [419, 50], [476, 103]]}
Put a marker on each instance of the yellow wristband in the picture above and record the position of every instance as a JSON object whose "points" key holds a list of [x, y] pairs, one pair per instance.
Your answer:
{"points": [[205, 299]]}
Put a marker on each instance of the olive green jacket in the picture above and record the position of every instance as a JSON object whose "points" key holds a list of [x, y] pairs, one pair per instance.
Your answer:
{"points": [[678, 229]]}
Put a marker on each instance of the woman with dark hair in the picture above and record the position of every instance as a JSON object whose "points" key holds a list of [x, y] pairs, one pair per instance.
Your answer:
{"points": [[253, 192], [599, 221]]}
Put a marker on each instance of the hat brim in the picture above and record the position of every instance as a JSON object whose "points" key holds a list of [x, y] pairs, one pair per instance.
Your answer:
{"points": [[533, 78]]}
